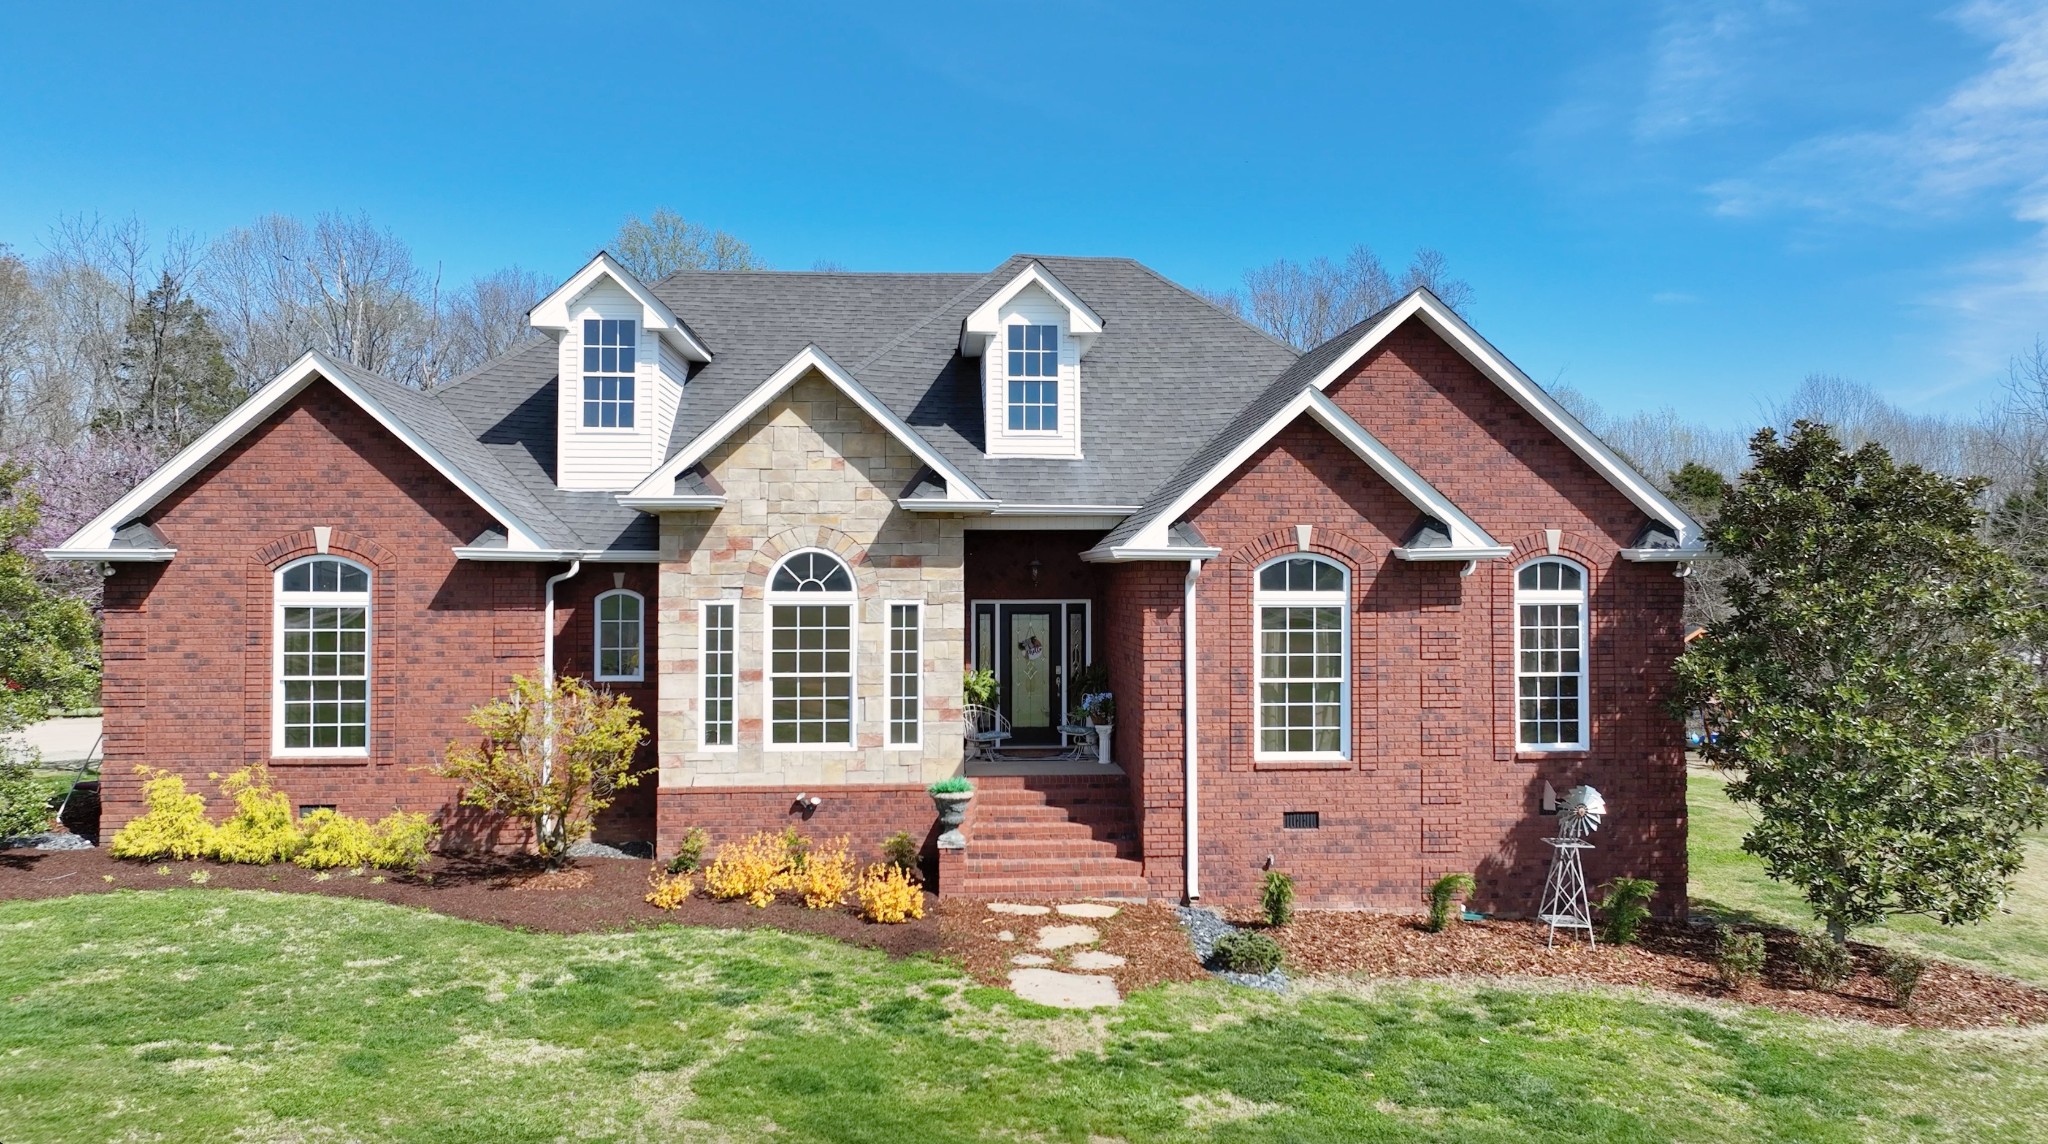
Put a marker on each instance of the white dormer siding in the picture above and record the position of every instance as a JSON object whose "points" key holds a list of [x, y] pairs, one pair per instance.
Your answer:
{"points": [[626, 439], [1012, 436]]}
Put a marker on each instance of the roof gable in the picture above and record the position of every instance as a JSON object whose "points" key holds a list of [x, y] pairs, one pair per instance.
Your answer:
{"points": [[980, 325], [420, 429], [552, 312]]}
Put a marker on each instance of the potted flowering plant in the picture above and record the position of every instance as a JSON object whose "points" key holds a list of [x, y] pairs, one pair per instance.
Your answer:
{"points": [[1101, 708]]}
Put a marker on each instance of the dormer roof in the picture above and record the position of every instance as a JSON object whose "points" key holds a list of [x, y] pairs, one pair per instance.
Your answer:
{"points": [[980, 326], [552, 312]]}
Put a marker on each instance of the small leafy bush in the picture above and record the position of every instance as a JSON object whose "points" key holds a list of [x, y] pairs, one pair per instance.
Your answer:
{"points": [[689, 852], [1901, 973], [1444, 896], [901, 851], [825, 877], [796, 850], [173, 826], [1277, 898], [335, 840], [751, 870], [1738, 956], [400, 841], [1625, 908], [979, 687], [1248, 951], [958, 784], [887, 895], [1822, 961], [261, 830], [24, 802], [668, 890]]}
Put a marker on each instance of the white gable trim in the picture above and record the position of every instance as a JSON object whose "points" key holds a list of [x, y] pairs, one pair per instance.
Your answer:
{"points": [[661, 482], [1468, 540], [96, 538], [552, 312], [1530, 396], [1083, 323]]}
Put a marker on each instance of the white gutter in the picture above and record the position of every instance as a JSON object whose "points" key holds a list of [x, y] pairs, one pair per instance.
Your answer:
{"points": [[547, 640], [556, 555], [112, 555], [1665, 555], [1124, 554], [1188, 703]]}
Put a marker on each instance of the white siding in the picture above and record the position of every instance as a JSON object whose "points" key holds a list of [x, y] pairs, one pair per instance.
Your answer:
{"points": [[668, 399], [607, 458], [1036, 307]]}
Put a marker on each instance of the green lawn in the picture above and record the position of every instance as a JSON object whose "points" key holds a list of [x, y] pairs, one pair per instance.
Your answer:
{"points": [[1727, 881], [208, 1015]]}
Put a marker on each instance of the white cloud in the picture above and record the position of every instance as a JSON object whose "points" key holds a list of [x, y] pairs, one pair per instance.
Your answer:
{"points": [[1702, 64]]}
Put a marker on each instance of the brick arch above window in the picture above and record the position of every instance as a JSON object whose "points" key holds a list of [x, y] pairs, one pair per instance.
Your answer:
{"points": [[1359, 558], [1597, 556], [306, 542], [258, 601]]}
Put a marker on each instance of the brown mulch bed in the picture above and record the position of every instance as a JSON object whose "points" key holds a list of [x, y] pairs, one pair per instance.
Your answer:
{"points": [[1674, 958], [594, 895], [1148, 937]]}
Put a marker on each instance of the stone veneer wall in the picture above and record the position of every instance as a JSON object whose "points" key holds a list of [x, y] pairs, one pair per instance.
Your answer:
{"points": [[810, 470]]}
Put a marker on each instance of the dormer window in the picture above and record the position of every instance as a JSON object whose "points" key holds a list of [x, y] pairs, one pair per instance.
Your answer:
{"points": [[1034, 372], [608, 351]]}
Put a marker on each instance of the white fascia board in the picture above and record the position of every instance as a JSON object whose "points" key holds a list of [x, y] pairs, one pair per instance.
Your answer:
{"points": [[1526, 393], [1466, 535], [555, 555], [112, 555], [1119, 511], [693, 502], [1124, 553], [552, 312], [1665, 555], [1065, 522], [98, 534], [1496, 552], [1082, 321], [935, 504], [661, 482]]}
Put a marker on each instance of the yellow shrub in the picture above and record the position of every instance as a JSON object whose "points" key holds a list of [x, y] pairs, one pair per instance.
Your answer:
{"points": [[752, 870], [336, 840], [825, 877], [667, 891], [888, 895], [174, 826], [261, 830], [400, 841]]}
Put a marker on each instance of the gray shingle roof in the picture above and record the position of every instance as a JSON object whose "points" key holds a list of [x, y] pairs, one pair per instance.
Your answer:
{"points": [[1169, 376]]}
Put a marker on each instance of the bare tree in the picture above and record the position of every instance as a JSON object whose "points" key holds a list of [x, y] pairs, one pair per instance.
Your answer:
{"points": [[488, 317], [18, 307], [1307, 304], [667, 242]]}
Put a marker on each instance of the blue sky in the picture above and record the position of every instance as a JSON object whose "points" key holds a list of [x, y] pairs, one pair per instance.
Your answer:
{"points": [[1687, 204]]}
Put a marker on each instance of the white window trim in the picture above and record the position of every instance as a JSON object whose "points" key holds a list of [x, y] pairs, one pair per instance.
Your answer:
{"points": [[597, 638], [1341, 600], [633, 375], [277, 680], [856, 705], [704, 676], [1584, 599], [1057, 379], [889, 675]]}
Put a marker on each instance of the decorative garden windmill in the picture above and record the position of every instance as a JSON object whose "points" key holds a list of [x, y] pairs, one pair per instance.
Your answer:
{"points": [[1565, 901]]}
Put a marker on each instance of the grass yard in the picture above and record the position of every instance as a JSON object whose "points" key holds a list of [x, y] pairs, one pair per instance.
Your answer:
{"points": [[1729, 882], [197, 1014]]}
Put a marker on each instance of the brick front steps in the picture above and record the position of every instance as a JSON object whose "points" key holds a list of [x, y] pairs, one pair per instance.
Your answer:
{"points": [[1051, 836]]}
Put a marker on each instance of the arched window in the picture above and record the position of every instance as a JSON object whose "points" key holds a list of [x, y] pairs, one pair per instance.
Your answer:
{"points": [[1550, 668], [619, 636], [1302, 609], [322, 636], [810, 652]]}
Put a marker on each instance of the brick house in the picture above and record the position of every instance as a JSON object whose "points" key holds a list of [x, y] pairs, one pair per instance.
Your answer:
{"points": [[1363, 611]]}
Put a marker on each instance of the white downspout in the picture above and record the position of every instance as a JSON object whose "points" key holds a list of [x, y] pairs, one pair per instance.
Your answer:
{"points": [[1188, 734], [547, 676]]}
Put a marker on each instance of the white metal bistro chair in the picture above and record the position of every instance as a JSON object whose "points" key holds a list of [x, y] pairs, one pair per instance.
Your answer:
{"points": [[986, 731]]}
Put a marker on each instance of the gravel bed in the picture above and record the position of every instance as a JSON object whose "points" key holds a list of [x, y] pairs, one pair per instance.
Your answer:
{"points": [[50, 841], [1204, 930], [641, 850]]}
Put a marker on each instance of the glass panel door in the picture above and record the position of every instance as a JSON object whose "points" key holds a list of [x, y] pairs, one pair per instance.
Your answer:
{"points": [[1033, 660]]}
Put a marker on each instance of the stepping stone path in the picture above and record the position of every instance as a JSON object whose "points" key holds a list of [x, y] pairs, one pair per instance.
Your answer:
{"points": [[1064, 990], [1036, 980]]}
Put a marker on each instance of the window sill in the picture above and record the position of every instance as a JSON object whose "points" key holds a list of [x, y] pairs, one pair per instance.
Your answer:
{"points": [[1302, 764], [1534, 754], [357, 759]]}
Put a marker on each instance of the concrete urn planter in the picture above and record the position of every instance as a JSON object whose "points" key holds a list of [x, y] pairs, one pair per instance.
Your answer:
{"points": [[952, 807]]}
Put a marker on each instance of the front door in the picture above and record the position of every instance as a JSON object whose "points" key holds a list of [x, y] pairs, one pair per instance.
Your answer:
{"points": [[1032, 681]]}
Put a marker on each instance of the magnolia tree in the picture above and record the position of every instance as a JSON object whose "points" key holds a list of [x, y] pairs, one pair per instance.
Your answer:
{"points": [[1865, 686], [551, 757]]}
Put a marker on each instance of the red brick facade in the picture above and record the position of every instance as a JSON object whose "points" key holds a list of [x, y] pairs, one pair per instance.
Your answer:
{"points": [[188, 644]]}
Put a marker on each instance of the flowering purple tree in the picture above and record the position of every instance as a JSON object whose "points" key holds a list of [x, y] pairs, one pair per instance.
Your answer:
{"points": [[74, 483]]}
